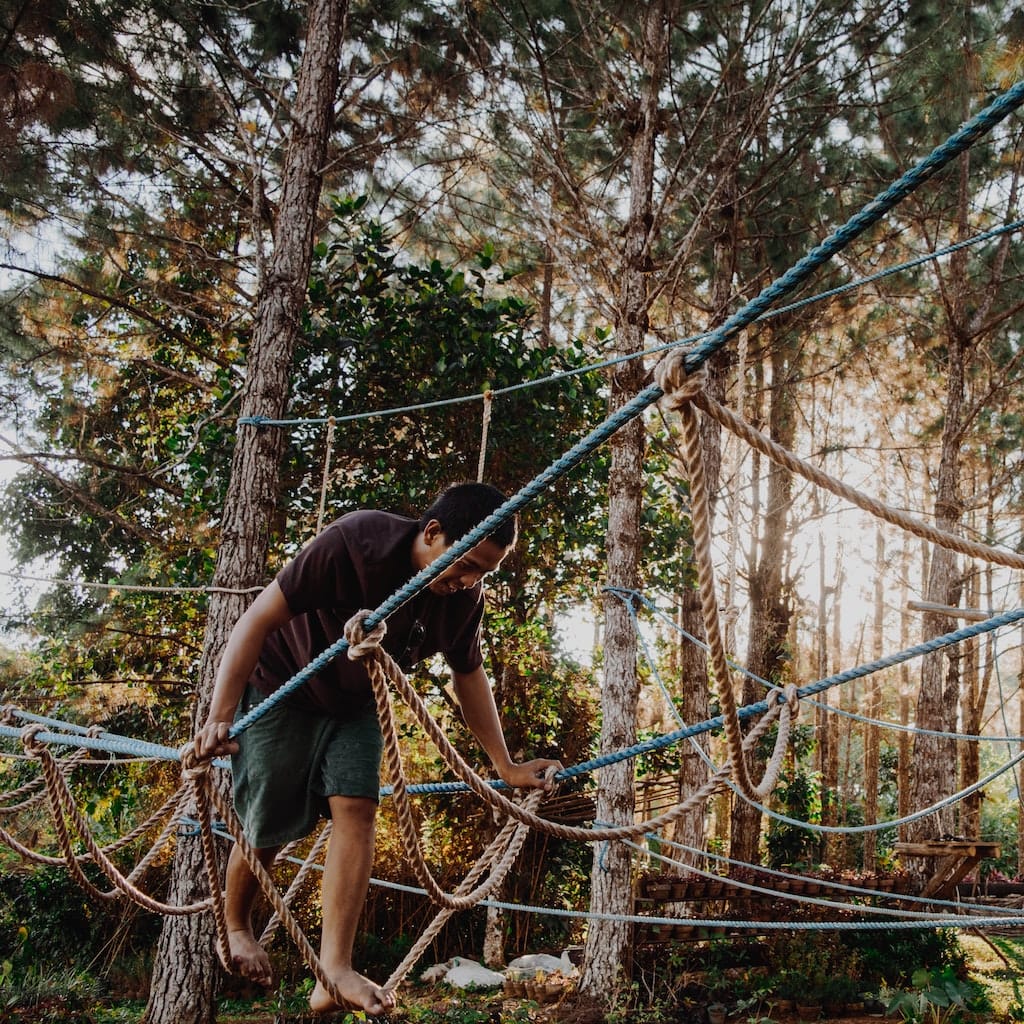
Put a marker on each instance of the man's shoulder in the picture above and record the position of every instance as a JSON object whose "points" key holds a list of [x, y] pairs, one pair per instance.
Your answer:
{"points": [[374, 534]]}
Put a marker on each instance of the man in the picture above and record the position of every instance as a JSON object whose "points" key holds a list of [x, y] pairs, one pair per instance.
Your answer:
{"points": [[318, 752]]}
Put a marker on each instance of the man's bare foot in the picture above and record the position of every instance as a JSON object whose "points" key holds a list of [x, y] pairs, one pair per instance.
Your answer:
{"points": [[358, 992], [249, 957]]}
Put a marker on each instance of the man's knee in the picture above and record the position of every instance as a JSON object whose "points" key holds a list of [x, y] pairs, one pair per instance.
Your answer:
{"points": [[352, 811]]}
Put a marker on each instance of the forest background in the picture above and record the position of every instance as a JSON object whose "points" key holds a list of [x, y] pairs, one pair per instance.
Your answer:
{"points": [[512, 194]]}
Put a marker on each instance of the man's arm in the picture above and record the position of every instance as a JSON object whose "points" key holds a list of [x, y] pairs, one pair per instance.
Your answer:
{"points": [[475, 697], [267, 613]]}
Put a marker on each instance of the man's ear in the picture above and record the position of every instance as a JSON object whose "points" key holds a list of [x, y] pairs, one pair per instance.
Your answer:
{"points": [[432, 531]]}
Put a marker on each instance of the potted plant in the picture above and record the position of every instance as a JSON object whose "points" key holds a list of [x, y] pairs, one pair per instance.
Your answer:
{"points": [[716, 1013]]}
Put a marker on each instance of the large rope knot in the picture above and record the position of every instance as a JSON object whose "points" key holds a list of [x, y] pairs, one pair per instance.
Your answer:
{"points": [[360, 643], [32, 746], [679, 386], [192, 765]]}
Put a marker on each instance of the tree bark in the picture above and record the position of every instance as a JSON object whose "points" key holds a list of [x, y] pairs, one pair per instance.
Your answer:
{"points": [[770, 609], [611, 885], [185, 972]]}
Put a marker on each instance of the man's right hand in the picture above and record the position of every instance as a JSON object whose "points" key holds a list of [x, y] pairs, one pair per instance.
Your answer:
{"points": [[212, 740]]}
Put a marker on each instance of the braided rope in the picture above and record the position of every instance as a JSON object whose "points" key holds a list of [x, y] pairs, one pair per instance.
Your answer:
{"points": [[326, 476], [681, 390], [63, 808], [305, 869], [66, 764], [511, 836], [485, 427], [766, 446], [476, 784], [197, 775], [365, 646]]}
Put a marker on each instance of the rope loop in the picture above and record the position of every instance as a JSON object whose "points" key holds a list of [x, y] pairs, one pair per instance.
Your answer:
{"points": [[679, 386], [7, 714], [791, 695], [360, 643], [193, 766], [32, 746]]}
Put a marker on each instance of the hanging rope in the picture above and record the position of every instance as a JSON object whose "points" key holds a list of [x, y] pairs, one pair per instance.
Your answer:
{"points": [[681, 390], [484, 428], [326, 476]]}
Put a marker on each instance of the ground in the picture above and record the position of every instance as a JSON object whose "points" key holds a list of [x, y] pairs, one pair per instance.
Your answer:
{"points": [[1001, 970]]}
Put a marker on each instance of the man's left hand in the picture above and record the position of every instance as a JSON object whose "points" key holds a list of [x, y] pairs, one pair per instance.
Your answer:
{"points": [[536, 774]]}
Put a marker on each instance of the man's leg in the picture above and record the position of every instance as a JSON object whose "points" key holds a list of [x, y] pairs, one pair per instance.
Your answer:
{"points": [[346, 878], [241, 888]]}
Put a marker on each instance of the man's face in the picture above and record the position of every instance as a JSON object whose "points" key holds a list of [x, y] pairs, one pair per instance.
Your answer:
{"points": [[467, 570]]}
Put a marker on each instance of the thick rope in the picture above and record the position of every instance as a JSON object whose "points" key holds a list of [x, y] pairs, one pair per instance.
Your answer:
{"points": [[484, 428], [511, 838], [476, 784], [305, 869], [197, 775], [326, 477], [266, 883], [367, 648], [728, 419], [63, 807], [681, 389]]}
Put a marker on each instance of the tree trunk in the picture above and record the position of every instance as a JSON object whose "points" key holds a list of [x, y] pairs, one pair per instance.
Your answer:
{"points": [[611, 888], [770, 609], [872, 740], [934, 761], [184, 973]]}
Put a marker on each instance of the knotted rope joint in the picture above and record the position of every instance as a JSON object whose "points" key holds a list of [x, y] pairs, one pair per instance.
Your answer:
{"points": [[679, 386]]}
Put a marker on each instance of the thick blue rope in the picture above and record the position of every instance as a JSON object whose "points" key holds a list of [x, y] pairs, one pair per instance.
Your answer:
{"points": [[629, 598], [957, 143]]}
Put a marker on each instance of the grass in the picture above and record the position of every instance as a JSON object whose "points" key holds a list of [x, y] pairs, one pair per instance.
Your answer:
{"points": [[48, 997]]}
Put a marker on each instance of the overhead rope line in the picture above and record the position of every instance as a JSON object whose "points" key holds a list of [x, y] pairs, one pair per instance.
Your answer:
{"points": [[491, 393], [604, 364]]}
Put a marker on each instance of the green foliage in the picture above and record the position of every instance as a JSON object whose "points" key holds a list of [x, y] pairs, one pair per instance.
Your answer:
{"points": [[891, 957], [938, 997]]}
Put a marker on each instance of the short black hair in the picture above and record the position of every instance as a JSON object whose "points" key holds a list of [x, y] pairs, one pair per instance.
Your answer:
{"points": [[461, 507]]}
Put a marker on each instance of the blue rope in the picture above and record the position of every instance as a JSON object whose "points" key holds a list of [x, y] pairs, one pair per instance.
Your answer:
{"points": [[760, 707], [629, 597], [961, 140], [842, 289]]}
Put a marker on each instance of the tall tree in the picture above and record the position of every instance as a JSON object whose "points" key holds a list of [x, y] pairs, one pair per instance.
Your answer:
{"points": [[184, 973]]}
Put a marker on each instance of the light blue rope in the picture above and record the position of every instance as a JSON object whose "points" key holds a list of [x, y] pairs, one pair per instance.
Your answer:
{"points": [[832, 884], [811, 826], [760, 707], [628, 596], [960, 141], [107, 742], [589, 915]]}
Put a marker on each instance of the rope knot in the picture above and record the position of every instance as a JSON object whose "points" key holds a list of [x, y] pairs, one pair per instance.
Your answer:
{"points": [[28, 738], [192, 766], [360, 643], [7, 714], [679, 386], [788, 695]]}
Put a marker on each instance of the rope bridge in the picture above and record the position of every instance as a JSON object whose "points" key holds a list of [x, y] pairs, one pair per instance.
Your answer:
{"points": [[679, 381]]}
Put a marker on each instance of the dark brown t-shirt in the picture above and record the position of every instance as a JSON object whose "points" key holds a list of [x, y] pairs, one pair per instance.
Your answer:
{"points": [[358, 562]]}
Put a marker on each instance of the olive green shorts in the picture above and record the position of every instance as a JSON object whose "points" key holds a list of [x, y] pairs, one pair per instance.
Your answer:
{"points": [[289, 761]]}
